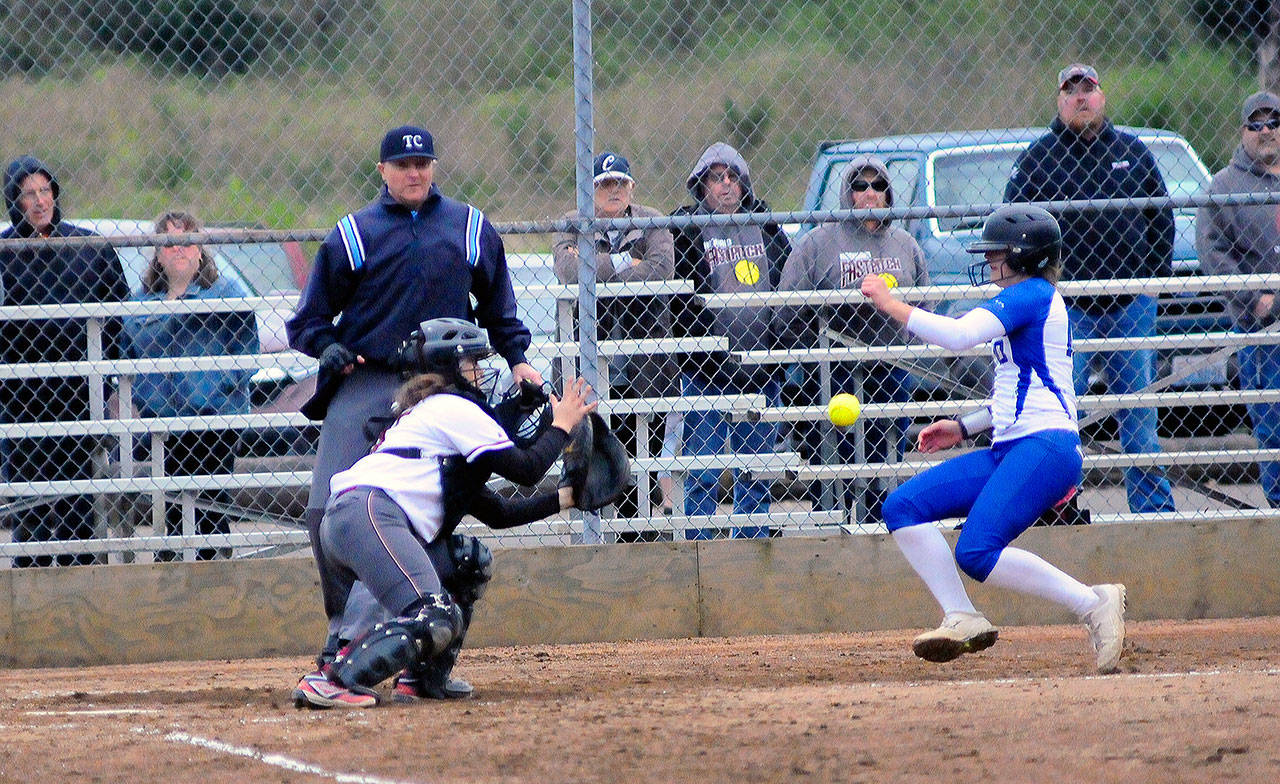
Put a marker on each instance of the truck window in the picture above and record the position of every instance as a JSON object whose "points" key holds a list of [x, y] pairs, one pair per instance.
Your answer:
{"points": [[1184, 174], [971, 177]]}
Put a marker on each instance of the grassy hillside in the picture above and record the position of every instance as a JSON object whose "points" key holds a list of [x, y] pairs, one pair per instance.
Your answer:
{"points": [[293, 144]]}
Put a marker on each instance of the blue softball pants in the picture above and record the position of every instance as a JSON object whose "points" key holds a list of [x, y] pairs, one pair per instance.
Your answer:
{"points": [[1000, 491]]}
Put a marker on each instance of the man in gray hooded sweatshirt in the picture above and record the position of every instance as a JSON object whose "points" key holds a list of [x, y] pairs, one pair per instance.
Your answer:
{"points": [[726, 259], [836, 257], [1245, 240]]}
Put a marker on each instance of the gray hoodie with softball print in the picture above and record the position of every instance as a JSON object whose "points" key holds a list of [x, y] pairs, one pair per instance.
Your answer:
{"points": [[836, 257]]}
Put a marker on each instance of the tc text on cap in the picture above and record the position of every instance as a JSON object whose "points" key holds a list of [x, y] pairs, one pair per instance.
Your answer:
{"points": [[407, 141]]}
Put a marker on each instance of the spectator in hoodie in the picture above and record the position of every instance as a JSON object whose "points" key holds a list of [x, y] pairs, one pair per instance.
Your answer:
{"points": [[1083, 156], [1245, 240], [836, 257], [48, 276], [727, 259], [189, 272], [627, 255]]}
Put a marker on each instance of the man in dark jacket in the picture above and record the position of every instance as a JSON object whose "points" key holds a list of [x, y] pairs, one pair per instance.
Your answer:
{"points": [[724, 259], [1084, 157], [1245, 240], [48, 276]]}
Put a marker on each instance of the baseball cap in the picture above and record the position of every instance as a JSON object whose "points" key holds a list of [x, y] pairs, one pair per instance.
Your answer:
{"points": [[611, 166], [1259, 102], [1077, 71], [407, 141]]}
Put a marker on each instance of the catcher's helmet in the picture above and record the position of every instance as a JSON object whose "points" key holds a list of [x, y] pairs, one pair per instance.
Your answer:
{"points": [[1029, 234], [437, 345]]}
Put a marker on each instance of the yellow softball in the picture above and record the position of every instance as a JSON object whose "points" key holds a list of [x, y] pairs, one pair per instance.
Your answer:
{"points": [[843, 410], [747, 272], [889, 279]]}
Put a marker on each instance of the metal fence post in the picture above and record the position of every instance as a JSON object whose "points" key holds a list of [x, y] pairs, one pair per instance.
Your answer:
{"points": [[584, 138]]}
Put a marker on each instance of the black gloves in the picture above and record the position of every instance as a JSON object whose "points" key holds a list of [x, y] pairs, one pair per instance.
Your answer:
{"points": [[335, 358]]}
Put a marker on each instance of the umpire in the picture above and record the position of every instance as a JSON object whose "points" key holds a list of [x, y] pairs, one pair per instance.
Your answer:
{"points": [[410, 256]]}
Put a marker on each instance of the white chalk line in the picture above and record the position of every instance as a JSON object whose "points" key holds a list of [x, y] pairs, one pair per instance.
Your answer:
{"points": [[96, 712], [276, 760], [1112, 676]]}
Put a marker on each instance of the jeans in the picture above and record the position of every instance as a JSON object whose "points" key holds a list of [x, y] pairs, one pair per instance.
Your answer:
{"points": [[1126, 372], [708, 433], [1260, 369]]}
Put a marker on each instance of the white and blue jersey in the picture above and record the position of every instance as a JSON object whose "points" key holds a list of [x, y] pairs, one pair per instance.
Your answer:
{"points": [[1033, 388], [1035, 456]]}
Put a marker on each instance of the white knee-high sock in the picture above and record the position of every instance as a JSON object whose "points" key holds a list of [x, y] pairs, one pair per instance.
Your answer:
{"points": [[1027, 572], [927, 551]]}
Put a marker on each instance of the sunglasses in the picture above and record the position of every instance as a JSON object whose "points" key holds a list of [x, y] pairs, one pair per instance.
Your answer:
{"points": [[858, 186], [728, 175], [1269, 124]]}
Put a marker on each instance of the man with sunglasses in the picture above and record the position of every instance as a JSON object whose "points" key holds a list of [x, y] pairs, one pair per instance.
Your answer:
{"points": [[836, 257], [1245, 240], [1083, 156], [727, 258]]}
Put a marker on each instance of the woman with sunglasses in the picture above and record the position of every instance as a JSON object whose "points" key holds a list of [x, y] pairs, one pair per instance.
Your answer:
{"points": [[836, 257]]}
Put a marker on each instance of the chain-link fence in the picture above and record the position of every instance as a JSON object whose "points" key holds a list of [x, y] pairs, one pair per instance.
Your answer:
{"points": [[145, 395]]}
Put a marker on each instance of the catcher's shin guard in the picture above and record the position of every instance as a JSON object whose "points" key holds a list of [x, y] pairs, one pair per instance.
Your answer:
{"points": [[329, 652], [400, 642], [432, 678]]}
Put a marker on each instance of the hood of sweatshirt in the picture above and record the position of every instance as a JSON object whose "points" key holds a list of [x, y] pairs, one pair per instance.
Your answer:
{"points": [[725, 155], [14, 174]]}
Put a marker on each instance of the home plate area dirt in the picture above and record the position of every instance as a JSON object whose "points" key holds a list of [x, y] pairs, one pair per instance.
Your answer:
{"points": [[1193, 701]]}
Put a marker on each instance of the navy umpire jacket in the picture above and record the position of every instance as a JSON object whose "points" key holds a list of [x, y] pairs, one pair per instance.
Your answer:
{"points": [[386, 269]]}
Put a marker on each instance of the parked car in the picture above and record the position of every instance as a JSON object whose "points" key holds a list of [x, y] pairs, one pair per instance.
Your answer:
{"points": [[972, 167], [537, 307]]}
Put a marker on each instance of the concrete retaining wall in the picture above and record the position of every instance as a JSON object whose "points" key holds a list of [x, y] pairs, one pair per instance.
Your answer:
{"points": [[236, 609]]}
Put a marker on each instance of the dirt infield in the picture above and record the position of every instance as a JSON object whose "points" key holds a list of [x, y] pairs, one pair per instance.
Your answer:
{"points": [[1194, 701]]}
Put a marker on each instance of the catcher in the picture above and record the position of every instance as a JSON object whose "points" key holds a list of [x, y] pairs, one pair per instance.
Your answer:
{"points": [[391, 517]]}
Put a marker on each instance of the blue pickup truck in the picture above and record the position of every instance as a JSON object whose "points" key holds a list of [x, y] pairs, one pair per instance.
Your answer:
{"points": [[971, 167]]}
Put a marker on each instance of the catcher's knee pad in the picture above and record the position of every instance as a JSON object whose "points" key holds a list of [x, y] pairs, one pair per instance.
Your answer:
{"points": [[472, 568], [398, 643]]}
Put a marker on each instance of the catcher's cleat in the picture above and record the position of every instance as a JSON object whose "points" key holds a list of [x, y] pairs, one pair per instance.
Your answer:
{"points": [[1106, 625], [960, 632], [316, 691], [409, 689]]}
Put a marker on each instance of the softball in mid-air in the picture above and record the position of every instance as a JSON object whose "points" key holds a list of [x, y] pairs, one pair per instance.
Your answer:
{"points": [[843, 410]]}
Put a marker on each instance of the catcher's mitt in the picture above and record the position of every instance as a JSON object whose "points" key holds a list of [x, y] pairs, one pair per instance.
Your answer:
{"points": [[595, 465]]}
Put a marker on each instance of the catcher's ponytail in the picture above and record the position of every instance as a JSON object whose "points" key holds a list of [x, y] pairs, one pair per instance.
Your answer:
{"points": [[417, 389]]}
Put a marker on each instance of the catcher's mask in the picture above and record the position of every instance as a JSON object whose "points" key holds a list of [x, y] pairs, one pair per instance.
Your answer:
{"points": [[440, 346], [524, 411]]}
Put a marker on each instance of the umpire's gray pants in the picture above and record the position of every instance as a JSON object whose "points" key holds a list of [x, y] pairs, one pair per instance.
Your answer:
{"points": [[365, 393]]}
